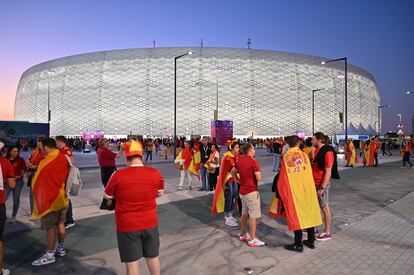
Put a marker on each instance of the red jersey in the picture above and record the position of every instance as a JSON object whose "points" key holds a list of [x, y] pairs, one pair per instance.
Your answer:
{"points": [[318, 174], [247, 166], [135, 189], [106, 157], [36, 157], [8, 172], [67, 151], [188, 155], [19, 166]]}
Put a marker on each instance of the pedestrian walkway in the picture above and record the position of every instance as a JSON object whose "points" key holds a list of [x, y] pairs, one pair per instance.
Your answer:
{"points": [[86, 204], [194, 242], [382, 243]]}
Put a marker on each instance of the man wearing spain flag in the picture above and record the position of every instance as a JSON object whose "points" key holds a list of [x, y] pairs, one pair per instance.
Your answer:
{"points": [[298, 194], [50, 200]]}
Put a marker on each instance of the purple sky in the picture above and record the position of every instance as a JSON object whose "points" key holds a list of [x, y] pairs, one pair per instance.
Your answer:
{"points": [[375, 35]]}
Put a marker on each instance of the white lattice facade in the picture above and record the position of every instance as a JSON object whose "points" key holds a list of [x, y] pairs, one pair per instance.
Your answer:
{"points": [[264, 92]]}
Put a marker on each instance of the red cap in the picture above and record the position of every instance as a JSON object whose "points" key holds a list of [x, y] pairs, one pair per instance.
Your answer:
{"points": [[133, 148]]}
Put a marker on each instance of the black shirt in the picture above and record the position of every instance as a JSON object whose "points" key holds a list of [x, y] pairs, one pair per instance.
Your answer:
{"points": [[205, 151]]}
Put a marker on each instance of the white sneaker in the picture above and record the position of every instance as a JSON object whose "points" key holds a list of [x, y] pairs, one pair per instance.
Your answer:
{"points": [[255, 243], [5, 271], [47, 258], [60, 250], [234, 219], [180, 188], [12, 220], [230, 222]]}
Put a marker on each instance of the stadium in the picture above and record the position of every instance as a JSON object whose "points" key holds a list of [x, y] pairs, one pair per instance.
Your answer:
{"points": [[264, 93]]}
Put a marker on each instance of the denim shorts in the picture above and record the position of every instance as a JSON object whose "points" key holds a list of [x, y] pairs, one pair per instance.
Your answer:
{"points": [[324, 200]]}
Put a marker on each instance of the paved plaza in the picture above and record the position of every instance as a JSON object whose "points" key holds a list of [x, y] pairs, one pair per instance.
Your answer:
{"points": [[372, 217]]}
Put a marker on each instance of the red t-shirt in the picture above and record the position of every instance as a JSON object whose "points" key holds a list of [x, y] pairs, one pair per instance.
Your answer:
{"points": [[247, 166], [67, 151], [36, 157], [19, 166], [318, 174], [106, 157], [8, 172], [135, 189]]}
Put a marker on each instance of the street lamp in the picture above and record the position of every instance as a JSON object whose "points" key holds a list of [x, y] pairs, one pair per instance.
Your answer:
{"points": [[313, 108], [50, 73], [346, 89], [379, 117], [175, 99]]}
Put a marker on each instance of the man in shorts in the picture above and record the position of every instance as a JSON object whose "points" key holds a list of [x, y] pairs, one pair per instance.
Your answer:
{"points": [[247, 173], [324, 165], [50, 200], [135, 189]]}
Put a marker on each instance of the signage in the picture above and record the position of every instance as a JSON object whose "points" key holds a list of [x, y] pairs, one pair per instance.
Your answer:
{"points": [[221, 131]]}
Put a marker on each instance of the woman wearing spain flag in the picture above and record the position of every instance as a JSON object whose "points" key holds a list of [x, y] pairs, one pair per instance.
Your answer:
{"points": [[297, 191], [226, 189]]}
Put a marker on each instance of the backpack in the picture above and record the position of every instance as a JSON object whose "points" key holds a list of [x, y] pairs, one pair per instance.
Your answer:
{"points": [[73, 181]]}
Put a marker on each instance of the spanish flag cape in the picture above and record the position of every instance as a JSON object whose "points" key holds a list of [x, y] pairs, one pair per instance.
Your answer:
{"points": [[352, 157], [48, 184], [191, 160], [297, 191], [367, 155], [227, 164], [372, 148]]}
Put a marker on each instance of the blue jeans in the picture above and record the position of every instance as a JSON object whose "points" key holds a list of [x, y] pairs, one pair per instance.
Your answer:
{"points": [[16, 195], [230, 194], [31, 200], [204, 178], [276, 162]]}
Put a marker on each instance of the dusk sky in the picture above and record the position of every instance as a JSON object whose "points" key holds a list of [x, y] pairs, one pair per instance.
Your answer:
{"points": [[377, 35]]}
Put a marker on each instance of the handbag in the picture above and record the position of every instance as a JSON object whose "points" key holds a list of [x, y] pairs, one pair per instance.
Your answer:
{"points": [[108, 204]]}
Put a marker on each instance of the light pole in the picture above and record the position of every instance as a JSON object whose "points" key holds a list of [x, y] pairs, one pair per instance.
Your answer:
{"points": [[50, 73], [313, 108], [412, 119], [175, 99], [379, 117], [346, 89]]}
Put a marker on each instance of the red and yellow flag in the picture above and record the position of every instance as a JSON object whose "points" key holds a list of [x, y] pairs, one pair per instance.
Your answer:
{"points": [[372, 149], [297, 191], [227, 165], [191, 159], [352, 157], [48, 184]]}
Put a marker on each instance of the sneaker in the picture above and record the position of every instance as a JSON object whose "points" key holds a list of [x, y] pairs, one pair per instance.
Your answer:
{"points": [[47, 258], [230, 222], [294, 247], [5, 271], [60, 250], [244, 237], [69, 225], [309, 244], [233, 219], [403, 167], [324, 237], [180, 188], [12, 220], [190, 188], [255, 243]]}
